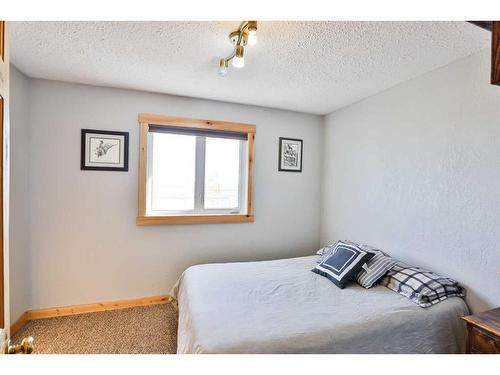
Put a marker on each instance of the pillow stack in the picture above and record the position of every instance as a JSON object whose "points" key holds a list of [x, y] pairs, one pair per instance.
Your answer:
{"points": [[366, 270], [346, 261]]}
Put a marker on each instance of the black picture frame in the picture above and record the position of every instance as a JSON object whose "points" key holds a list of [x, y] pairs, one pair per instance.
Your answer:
{"points": [[84, 156], [280, 154]]}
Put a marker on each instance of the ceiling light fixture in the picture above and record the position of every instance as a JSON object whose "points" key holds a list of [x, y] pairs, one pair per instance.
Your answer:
{"points": [[239, 59], [252, 34], [245, 35]]}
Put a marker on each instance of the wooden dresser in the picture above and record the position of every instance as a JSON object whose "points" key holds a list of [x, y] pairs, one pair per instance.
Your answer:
{"points": [[483, 332]]}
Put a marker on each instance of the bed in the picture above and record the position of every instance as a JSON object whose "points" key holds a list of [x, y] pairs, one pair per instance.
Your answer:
{"points": [[280, 306]]}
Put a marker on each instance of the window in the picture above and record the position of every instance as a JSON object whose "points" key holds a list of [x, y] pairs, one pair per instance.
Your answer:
{"points": [[194, 171]]}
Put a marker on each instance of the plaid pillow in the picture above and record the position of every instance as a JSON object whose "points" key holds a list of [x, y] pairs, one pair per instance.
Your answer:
{"points": [[425, 288], [374, 269]]}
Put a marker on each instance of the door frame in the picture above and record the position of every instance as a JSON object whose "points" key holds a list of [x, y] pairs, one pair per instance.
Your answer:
{"points": [[4, 186]]}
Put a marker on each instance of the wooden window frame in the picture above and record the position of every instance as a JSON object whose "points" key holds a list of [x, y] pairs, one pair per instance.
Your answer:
{"points": [[2, 40], [145, 121]]}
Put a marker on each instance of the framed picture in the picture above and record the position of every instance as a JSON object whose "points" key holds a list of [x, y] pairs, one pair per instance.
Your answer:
{"points": [[104, 150], [290, 155]]}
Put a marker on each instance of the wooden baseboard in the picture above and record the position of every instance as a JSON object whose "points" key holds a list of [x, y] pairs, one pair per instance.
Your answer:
{"points": [[85, 309], [19, 323]]}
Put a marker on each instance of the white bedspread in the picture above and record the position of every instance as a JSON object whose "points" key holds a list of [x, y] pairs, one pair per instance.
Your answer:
{"points": [[282, 307]]}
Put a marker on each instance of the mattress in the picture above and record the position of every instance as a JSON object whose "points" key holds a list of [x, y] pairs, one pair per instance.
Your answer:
{"points": [[280, 306]]}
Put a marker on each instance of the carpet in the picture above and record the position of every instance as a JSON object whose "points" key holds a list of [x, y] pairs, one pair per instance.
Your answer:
{"points": [[138, 330]]}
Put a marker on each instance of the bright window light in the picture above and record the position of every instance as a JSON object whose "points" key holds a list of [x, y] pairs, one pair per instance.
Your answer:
{"points": [[222, 173], [173, 172], [195, 173]]}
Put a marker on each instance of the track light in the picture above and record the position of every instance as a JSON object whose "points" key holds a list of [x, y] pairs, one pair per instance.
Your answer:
{"points": [[245, 35]]}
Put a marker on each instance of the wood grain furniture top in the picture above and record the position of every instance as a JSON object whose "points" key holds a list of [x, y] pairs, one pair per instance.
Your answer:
{"points": [[484, 332]]}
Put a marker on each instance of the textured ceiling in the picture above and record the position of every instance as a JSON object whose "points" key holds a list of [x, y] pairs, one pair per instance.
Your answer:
{"points": [[313, 67]]}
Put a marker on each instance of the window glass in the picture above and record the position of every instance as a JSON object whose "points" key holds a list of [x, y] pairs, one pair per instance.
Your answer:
{"points": [[173, 172], [222, 173]]}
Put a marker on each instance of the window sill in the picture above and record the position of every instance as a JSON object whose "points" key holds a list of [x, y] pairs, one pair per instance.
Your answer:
{"points": [[194, 219]]}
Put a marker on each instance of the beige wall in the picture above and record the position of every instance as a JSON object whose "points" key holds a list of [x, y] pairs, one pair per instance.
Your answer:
{"points": [[415, 170]]}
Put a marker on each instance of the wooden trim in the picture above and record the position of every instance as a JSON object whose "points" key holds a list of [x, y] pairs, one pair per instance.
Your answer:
{"points": [[495, 53], [487, 320], [194, 219], [96, 307], [85, 309], [143, 167], [2, 40], [4, 178], [19, 323], [494, 27], [185, 122], [485, 327], [251, 141], [145, 120]]}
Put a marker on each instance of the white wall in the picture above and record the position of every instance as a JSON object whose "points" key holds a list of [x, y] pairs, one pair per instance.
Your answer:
{"points": [[85, 244], [19, 260], [415, 170]]}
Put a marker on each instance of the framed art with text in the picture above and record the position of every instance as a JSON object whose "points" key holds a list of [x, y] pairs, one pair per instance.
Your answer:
{"points": [[104, 150], [290, 155]]}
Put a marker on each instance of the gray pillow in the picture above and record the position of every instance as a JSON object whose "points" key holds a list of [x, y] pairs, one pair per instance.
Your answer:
{"points": [[375, 269]]}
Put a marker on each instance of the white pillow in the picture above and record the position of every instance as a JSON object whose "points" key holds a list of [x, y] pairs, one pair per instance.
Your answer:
{"points": [[324, 251]]}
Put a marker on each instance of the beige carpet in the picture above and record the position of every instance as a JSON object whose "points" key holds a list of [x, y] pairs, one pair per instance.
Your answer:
{"points": [[144, 330]]}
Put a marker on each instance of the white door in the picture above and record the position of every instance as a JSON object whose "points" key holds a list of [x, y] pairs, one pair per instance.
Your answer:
{"points": [[4, 187]]}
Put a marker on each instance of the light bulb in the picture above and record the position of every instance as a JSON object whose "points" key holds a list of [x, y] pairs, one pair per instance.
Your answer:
{"points": [[252, 37], [222, 67], [238, 59], [238, 62], [252, 33], [223, 71]]}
